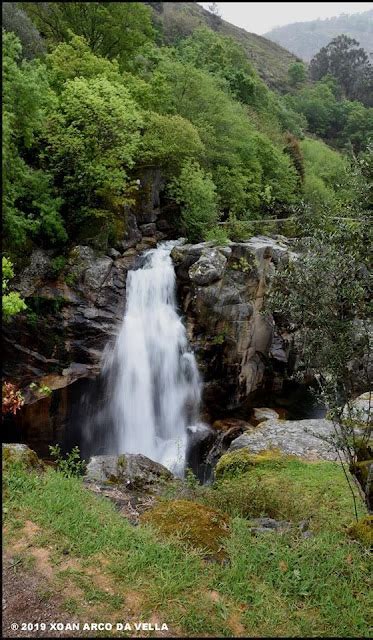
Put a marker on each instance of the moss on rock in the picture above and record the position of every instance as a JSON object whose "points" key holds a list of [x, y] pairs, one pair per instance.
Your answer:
{"points": [[21, 453], [199, 526], [362, 530], [242, 460]]}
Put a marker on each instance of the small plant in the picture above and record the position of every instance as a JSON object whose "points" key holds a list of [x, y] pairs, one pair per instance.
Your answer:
{"points": [[242, 265], [57, 265], [219, 339], [12, 303], [43, 389], [12, 398], [70, 466], [191, 479], [32, 318], [71, 279]]}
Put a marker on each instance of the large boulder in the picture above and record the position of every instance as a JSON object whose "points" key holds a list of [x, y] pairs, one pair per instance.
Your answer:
{"points": [[132, 471], [302, 438], [221, 291], [21, 453]]}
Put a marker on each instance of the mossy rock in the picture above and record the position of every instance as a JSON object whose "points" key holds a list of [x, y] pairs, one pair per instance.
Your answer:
{"points": [[199, 526], [21, 453], [240, 461], [362, 530]]}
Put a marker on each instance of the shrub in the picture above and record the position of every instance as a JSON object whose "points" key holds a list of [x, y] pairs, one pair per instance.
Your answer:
{"points": [[71, 465], [217, 235], [195, 191]]}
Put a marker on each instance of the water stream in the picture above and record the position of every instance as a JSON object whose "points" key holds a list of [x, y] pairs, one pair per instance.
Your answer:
{"points": [[157, 389]]}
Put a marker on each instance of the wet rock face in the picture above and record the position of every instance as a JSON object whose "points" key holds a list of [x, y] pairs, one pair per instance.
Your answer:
{"points": [[221, 291], [70, 318]]}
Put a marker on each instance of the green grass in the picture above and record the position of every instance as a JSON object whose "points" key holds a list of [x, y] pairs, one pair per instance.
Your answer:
{"points": [[272, 585], [287, 489]]}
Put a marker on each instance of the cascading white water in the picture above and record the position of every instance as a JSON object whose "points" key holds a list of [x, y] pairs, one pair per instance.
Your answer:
{"points": [[157, 387]]}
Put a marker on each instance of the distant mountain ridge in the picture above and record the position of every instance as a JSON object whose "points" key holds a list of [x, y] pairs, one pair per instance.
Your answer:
{"points": [[305, 39]]}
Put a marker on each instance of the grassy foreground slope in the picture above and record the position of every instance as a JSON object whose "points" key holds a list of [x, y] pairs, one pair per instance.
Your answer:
{"points": [[104, 568]]}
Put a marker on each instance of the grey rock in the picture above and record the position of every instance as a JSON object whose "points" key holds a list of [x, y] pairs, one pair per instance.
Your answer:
{"points": [[263, 413], [361, 408], [113, 253], [261, 530], [221, 291], [208, 268], [293, 437], [270, 523], [17, 452], [148, 229], [307, 534], [34, 274], [134, 471]]}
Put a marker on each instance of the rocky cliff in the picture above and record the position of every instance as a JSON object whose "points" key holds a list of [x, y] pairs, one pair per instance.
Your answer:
{"points": [[221, 292], [74, 316]]}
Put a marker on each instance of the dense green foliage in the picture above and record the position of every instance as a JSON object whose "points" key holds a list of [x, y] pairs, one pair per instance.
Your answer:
{"points": [[81, 121], [112, 29]]}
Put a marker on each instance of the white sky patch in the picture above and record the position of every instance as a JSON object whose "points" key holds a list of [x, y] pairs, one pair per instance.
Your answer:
{"points": [[260, 17]]}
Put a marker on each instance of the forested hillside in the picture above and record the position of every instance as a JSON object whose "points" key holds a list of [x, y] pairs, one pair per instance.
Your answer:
{"points": [[85, 106], [306, 38]]}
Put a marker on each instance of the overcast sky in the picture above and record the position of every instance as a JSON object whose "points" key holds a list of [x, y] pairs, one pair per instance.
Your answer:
{"points": [[260, 17]]}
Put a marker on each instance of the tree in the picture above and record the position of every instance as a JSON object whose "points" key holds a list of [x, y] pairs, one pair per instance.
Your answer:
{"points": [[344, 59], [91, 142], [319, 105], [324, 297], [167, 140], [112, 29], [75, 59], [226, 59], [297, 74], [30, 206], [195, 191], [17, 21]]}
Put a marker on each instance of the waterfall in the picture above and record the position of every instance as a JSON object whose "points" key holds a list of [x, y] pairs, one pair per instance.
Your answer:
{"points": [[157, 389]]}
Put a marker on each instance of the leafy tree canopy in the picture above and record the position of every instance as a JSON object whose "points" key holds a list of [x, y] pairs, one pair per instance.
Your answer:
{"points": [[349, 63], [112, 29]]}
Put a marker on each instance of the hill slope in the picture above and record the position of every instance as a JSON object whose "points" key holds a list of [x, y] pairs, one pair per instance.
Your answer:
{"points": [[271, 60], [306, 38]]}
